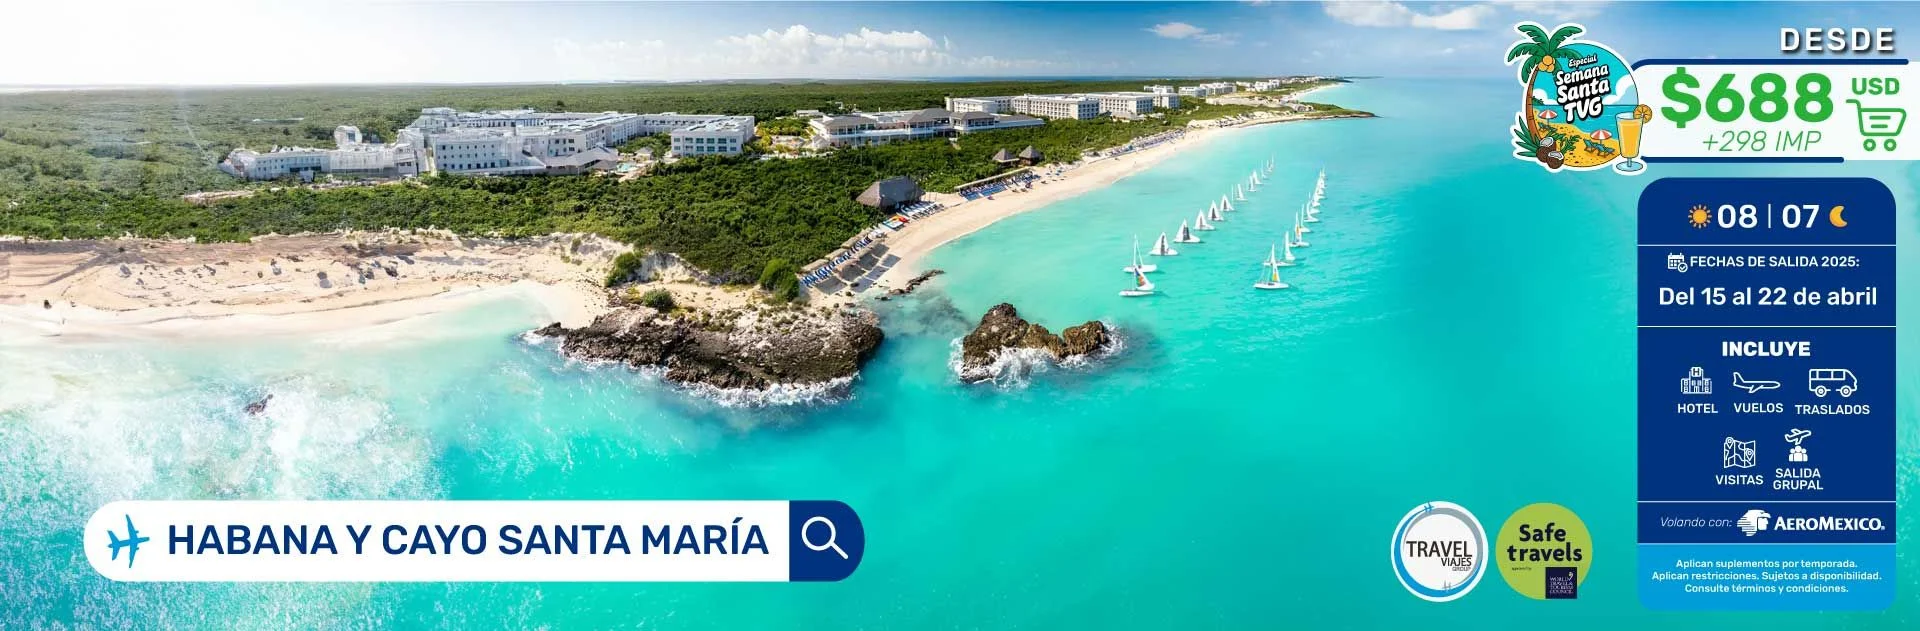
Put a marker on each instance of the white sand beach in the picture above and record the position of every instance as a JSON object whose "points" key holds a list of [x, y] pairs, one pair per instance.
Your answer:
{"points": [[286, 284]]}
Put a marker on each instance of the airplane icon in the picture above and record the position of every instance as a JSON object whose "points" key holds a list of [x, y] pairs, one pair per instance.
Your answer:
{"points": [[131, 543], [1753, 386]]}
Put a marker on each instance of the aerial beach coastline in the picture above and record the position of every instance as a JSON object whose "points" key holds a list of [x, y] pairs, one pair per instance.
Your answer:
{"points": [[1050, 312], [310, 283]]}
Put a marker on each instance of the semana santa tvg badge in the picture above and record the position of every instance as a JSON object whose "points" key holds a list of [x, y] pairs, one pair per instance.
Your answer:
{"points": [[1580, 109]]}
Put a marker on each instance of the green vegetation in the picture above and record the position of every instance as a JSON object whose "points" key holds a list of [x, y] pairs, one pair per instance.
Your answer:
{"points": [[623, 268], [783, 126], [658, 299], [780, 281], [104, 164], [659, 143]]}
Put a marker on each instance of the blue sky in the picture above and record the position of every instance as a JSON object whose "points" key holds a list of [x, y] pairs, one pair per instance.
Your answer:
{"points": [[229, 41]]}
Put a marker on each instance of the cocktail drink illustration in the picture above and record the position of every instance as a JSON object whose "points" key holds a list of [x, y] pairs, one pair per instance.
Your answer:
{"points": [[1630, 123]]}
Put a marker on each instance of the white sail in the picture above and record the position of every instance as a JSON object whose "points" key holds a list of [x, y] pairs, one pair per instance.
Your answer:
{"points": [[1141, 286], [1300, 232], [1200, 222], [1160, 247], [1225, 206], [1185, 235], [1239, 194], [1288, 259], [1213, 214], [1271, 279], [1300, 222], [1138, 267]]}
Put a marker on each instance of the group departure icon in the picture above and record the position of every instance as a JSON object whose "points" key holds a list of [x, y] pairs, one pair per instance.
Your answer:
{"points": [[1795, 437]]}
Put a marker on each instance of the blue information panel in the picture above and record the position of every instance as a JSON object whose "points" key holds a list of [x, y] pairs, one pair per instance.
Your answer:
{"points": [[1767, 460]]}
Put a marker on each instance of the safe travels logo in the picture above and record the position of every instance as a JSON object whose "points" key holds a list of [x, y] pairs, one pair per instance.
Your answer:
{"points": [[1544, 552], [1580, 109]]}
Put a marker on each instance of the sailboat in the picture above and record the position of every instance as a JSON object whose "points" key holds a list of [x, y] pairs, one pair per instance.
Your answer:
{"points": [[1299, 221], [1300, 241], [1200, 221], [1185, 235], [1271, 279], [1253, 183], [1286, 259], [1138, 266], [1239, 194], [1269, 165], [1141, 286], [1225, 206], [1160, 247], [1319, 193], [1213, 214]]}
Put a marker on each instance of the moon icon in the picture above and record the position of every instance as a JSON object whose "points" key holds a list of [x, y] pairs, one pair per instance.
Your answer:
{"points": [[1834, 216]]}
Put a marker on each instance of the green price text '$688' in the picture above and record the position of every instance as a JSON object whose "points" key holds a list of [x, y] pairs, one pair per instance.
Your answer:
{"points": [[1810, 98]]}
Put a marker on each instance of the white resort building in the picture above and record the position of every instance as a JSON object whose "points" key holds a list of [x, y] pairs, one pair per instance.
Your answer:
{"points": [[861, 129], [1075, 106], [1125, 104], [351, 156], [988, 104], [498, 142]]}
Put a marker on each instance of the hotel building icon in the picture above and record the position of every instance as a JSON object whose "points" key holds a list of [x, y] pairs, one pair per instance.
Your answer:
{"points": [[1696, 382]]}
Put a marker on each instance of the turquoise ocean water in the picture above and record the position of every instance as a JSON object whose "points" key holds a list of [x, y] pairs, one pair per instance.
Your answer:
{"points": [[1460, 329]]}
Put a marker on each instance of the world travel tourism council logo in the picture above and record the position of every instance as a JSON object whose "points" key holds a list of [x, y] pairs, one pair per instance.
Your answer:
{"points": [[1580, 109], [1439, 551]]}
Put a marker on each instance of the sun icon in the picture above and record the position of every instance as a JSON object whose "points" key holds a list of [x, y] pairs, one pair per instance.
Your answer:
{"points": [[1698, 216]]}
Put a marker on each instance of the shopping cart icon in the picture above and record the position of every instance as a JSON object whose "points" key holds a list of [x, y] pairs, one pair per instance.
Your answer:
{"points": [[1880, 122]]}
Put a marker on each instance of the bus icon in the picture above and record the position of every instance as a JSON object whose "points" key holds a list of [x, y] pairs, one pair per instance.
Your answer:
{"points": [[1823, 380]]}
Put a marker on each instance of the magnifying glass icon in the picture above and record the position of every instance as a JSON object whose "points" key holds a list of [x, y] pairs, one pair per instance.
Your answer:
{"points": [[832, 534]]}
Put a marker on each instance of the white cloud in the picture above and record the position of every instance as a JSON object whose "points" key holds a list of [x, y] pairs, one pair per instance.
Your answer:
{"points": [[1394, 14], [796, 51], [1183, 30], [1554, 10]]}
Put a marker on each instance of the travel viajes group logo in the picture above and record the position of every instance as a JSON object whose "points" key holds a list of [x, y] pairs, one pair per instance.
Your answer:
{"points": [[1580, 109], [1439, 551], [1544, 552]]}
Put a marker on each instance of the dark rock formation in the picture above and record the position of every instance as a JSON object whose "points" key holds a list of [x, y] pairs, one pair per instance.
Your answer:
{"points": [[912, 284], [755, 351], [1002, 329]]}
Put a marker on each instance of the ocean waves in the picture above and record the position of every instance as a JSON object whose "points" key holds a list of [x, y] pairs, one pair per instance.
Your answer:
{"points": [[1014, 368]]}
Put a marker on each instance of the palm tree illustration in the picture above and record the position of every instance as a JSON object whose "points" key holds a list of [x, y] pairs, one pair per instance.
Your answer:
{"points": [[1541, 52]]}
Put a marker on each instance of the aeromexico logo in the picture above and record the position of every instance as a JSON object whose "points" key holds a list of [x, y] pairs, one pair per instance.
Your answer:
{"points": [[1758, 521], [1580, 109], [1439, 551]]}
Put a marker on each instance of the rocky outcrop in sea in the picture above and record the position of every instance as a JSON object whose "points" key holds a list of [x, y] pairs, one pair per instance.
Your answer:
{"points": [[753, 351], [1003, 337]]}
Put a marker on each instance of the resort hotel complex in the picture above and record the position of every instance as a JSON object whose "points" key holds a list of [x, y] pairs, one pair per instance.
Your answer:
{"points": [[508, 142], [873, 128], [528, 142]]}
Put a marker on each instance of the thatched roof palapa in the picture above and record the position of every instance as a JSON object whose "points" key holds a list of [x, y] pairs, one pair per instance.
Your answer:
{"points": [[1030, 154], [890, 192], [1003, 157]]}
